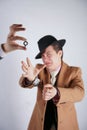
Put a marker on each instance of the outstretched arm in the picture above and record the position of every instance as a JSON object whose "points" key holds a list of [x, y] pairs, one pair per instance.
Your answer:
{"points": [[30, 73]]}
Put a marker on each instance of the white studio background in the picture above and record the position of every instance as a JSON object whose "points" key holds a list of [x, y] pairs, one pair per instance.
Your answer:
{"points": [[61, 18]]}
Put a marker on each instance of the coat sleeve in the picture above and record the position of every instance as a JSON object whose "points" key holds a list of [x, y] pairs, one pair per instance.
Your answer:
{"points": [[25, 83], [2, 53], [74, 91]]}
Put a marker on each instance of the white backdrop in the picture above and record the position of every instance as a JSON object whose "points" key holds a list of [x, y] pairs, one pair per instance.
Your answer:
{"points": [[61, 18]]}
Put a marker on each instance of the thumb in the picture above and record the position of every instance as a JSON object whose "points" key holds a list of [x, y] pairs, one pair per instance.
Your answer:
{"points": [[42, 67], [19, 47]]}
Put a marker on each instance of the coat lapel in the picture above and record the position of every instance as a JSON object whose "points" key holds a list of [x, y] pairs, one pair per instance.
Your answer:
{"points": [[61, 75]]}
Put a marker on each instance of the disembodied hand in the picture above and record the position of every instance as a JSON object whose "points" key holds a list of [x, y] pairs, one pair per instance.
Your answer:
{"points": [[11, 43]]}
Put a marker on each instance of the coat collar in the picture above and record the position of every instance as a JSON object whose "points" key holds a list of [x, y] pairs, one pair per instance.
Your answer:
{"points": [[61, 76]]}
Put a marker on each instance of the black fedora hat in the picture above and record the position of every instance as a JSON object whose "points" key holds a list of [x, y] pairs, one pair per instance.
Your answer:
{"points": [[47, 40]]}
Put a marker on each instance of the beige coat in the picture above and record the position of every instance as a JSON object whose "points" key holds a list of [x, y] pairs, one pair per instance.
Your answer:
{"points": [[71, 88]]}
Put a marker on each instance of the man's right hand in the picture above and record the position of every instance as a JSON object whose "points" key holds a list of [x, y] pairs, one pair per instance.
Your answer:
{"points": [[30, 71]]}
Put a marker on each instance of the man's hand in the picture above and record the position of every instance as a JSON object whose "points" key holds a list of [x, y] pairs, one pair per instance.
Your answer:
{"points": [[11, 44], [29, 70], [48, 92]]}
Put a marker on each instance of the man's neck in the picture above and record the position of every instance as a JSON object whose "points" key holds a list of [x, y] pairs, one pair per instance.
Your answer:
{"points": [[56, 71]]}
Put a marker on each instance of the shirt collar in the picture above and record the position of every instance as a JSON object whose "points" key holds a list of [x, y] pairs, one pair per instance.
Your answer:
{"points": [[55, 72]]}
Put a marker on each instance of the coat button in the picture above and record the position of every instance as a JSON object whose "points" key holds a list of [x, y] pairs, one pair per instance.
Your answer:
{"points": [[60, 122], [44, 104], [41, 119]]}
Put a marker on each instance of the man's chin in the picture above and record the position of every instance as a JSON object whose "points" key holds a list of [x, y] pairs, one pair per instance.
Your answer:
{"points": [[49, 68]]}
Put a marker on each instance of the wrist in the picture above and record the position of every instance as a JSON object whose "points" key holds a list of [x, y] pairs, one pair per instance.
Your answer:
{"points": [[2, 53], [56, 97], [4, 47], [36, 81], [26, 82]]}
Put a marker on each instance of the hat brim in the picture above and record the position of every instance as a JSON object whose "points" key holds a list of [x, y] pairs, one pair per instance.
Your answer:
{"points": [[60, 42]]}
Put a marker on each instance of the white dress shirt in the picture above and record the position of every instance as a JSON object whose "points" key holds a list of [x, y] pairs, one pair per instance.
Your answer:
{"points": [[53, 75]]}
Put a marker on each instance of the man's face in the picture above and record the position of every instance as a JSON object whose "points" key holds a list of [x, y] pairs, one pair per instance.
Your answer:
{"points": [[51, 58]]}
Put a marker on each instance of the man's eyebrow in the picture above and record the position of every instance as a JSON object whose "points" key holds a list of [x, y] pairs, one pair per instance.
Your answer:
{"points": [[49, 51]]}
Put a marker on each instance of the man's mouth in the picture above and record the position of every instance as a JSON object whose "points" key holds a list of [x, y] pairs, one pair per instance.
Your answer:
{"points": [[48, 64]]}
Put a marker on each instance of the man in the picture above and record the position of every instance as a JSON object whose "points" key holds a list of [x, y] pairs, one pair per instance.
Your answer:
{"points": [[11, 44], [59, 87]]}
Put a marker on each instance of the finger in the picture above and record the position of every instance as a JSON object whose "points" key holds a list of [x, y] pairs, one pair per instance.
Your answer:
{"points": [[19, 47], [48, 86], [24, 69], [28, 62], [44, 97], [11, 37], [49, 91], [24, 64], [42, 67], [18, 25], [13, 31], [47, 97], [18, 29], [46, 92], [15, 46]]}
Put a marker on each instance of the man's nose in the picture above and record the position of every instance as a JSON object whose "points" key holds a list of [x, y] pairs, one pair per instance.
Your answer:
{"points": [[45, 59]]}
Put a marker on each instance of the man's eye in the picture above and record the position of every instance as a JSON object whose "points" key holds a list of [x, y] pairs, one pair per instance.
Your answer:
{"points": [[49, 55]]}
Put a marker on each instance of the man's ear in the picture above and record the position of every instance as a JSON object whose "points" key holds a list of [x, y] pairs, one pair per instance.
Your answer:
{"points": [[60, 53]]}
